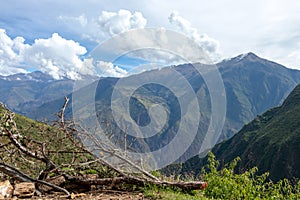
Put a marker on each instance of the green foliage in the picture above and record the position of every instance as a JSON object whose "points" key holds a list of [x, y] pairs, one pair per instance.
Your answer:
{"points": [[225, 184], [156, 174]]}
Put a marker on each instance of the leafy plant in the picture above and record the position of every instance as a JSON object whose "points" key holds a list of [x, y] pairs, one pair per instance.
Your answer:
{"points": [[226, 184]]}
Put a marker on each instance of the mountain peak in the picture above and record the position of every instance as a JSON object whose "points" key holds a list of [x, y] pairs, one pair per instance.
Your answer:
{"points": [[248, 56], [245, 56]]}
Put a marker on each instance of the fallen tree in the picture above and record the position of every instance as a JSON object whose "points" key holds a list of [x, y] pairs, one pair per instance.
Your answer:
{"points": [[68, 157]]}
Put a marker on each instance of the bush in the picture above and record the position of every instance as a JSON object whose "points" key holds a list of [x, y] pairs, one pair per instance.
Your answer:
{"points": [[225, 184]]}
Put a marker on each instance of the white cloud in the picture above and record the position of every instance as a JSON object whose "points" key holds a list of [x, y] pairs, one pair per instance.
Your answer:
{"points": [[157, 57], [81, 19], [109, 23], [107, 69], [87, 67], [57, 56], [209, 45], [11, 54], [118, 22]]}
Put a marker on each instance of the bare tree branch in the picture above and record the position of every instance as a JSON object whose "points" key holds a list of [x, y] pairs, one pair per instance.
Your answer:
{"points": [[14, 139], [62, 113], [14, 173], [114, 153]]}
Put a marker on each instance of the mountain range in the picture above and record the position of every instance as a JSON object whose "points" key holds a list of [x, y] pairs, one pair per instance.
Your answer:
{"points": [[252, 85]]}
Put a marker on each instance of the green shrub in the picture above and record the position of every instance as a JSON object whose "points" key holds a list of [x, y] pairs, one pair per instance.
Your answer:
{"points": [[225, 184]]}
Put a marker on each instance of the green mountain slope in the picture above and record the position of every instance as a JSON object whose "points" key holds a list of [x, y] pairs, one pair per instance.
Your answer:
{"points": [[59, 146], [271, 142]]}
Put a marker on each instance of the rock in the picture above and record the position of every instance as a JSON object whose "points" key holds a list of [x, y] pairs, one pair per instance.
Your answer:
{"points": [[91, 176], [5, 189], [24, 190], [80, 195]]}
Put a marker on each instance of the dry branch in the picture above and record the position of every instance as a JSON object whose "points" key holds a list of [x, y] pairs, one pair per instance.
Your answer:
{"points": [[62, 113], [13, 134], [14, 173], [114, 153], [14, 139]]}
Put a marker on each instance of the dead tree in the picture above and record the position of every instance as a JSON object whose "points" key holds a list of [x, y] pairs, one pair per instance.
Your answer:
{"points": [[69, 157]]}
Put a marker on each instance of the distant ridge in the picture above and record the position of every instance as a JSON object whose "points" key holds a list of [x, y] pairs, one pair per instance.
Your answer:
{"points": [[23, 93]]}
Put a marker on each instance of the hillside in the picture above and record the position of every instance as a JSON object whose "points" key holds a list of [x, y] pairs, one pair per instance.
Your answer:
{"points": [[252, 86], [271, 142], [59, 146]]}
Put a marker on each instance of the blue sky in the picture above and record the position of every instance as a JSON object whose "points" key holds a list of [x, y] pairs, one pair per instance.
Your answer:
{"points": [[225, 28]]}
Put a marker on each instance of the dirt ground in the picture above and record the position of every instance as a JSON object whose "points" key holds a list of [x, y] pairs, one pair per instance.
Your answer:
{"points": [[95, 195]]}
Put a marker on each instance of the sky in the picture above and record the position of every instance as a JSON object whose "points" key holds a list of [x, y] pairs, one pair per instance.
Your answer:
{"points": [[57, 36]]}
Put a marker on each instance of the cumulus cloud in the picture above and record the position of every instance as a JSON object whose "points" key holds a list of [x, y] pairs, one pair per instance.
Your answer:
{"points": [[11, 52], [108, 69], [117, 22], [208, 44], [56, 56]]}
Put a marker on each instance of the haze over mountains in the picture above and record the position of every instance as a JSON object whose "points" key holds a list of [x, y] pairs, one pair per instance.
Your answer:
{"points": [[252, 84]]}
